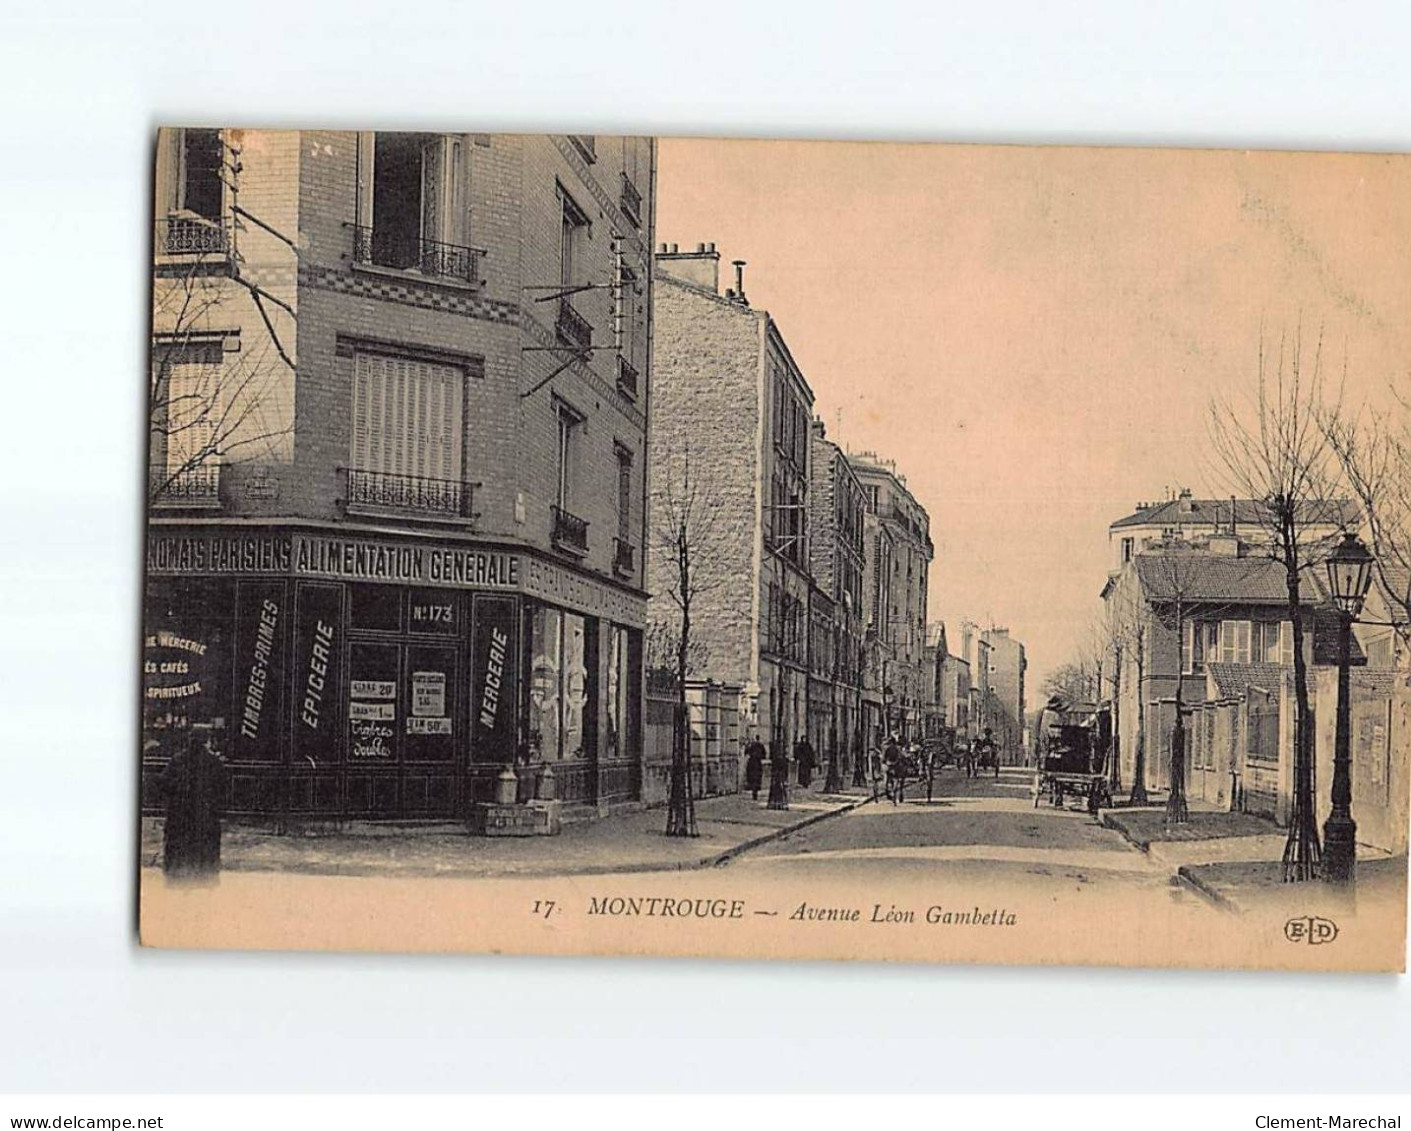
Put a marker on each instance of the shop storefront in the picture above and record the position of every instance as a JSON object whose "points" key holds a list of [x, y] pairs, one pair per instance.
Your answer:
{"points": [[373, 677]]}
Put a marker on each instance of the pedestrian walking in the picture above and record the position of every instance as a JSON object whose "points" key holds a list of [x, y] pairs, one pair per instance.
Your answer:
{"points": [[778, 776], [986, 754], [804, 756], [891, 764], [193, 785], [754, 766]]}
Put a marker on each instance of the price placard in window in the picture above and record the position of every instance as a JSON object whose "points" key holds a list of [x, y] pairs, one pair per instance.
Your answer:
{"points": [[428, 694]]}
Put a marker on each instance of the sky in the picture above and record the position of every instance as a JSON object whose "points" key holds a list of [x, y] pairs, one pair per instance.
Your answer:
{"points": [[1035, 335]]}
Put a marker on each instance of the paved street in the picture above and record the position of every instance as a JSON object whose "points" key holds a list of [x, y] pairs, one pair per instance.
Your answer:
{"points": [[982, 832]]}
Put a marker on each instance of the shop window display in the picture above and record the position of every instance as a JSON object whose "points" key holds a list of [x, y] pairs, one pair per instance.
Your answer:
{"points": [[545, 677], [186, 662]]}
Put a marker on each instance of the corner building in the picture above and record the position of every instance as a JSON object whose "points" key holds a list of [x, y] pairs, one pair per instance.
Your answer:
{"points": [[398, 449]]}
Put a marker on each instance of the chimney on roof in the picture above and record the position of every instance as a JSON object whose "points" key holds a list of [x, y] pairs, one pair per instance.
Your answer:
{"points": [[1187, 503], [700, 268], [739, 265], [818, 428]]}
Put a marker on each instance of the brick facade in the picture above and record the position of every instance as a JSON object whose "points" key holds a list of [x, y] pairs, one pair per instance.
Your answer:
{"points": [[298, 205]]}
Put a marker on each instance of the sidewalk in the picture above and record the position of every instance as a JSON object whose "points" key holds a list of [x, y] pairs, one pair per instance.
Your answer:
{"points": [[1235, 859], [628, 841]]}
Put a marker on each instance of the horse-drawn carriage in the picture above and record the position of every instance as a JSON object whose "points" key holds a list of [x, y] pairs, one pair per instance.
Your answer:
{"points": [[1074, 742]]}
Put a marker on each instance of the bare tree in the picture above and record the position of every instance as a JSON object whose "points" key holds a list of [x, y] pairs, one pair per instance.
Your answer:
{"points": [[1075, 681], [684, 538], [1274, 451], [1126, 641], [1174, 574], [207, 403], [207, 406], [1374, 451]]}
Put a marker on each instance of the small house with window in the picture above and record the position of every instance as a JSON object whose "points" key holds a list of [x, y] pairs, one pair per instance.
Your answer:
{"points": [[1189, 620]]}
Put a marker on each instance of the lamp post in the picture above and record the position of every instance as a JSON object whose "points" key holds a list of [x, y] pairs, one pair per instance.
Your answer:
{"points": [[1349, 576]]}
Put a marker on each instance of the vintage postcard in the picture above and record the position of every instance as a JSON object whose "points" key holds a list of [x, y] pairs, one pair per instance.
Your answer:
{"points": [[775, 549]]}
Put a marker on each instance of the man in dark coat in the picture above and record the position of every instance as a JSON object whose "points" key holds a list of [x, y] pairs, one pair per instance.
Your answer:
{"points": [[754, 766], [194, 787], [803, 754]]}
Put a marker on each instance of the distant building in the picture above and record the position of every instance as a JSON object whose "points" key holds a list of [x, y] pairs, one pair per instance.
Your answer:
{"points": [[951, 674], [975, 649], [837, 555], [1007, 666], [898, 562], [1185, 517]]}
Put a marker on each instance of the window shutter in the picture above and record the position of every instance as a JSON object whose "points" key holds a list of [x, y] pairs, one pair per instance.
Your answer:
{"points": [[1188, 647], [407, 417], [367, 143], [1286, 643], [1242, 648], [194, 407], [433, 189], [165, 173], [457, 227]]}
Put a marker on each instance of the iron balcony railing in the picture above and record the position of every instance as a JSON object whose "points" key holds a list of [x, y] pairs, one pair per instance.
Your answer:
{"points": [[570, 531], [196, 487], [189, 234], [631, 201], [624, 557], [380, 247], [383, 492], [626, 378], [573, 328]]}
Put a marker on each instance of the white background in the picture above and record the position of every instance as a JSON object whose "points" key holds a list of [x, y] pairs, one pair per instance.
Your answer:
{"points": [[81, 1008]]}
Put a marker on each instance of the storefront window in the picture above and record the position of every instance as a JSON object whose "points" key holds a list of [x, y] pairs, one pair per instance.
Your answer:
{"points": [[575, 685], [186, 663], [545, 674], [372, 703], [617, 660], [431, 676]]}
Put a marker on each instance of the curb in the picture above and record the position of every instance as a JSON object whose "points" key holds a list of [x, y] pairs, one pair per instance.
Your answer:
{"points": [[1205, 891], [1107, 823], [775, 834]]}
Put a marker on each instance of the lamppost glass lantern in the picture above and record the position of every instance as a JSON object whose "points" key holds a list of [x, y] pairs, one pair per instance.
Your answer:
{"points": [[1349, 574]]}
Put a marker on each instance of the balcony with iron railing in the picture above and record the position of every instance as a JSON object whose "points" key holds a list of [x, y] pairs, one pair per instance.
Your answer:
{"points": [[627, 378], [624, 558], [570, 532], [631, 201], [573, 329], [186, 233], [197, 487], [383, 493], [398, 250]]}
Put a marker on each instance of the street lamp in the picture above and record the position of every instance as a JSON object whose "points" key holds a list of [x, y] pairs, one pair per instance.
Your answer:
{"points": [[1349, 577]]}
